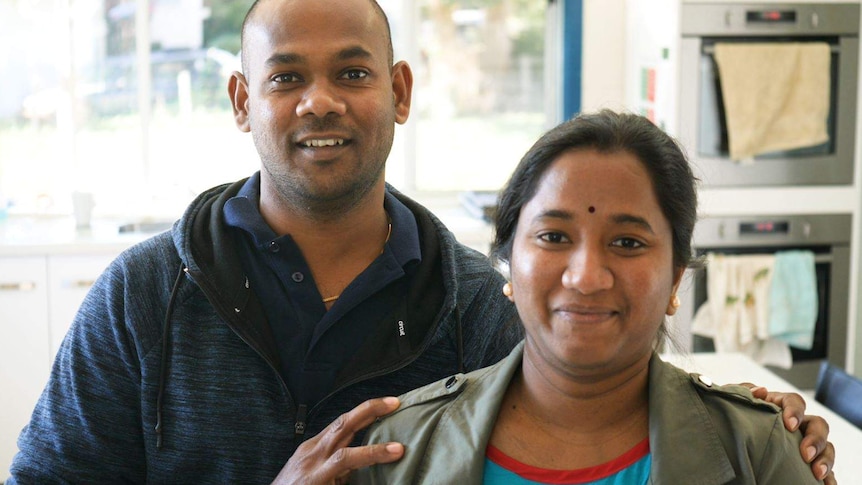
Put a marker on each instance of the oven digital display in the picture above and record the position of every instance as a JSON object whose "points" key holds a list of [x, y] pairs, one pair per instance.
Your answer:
{"points": [[771, 16], [764, 227]]}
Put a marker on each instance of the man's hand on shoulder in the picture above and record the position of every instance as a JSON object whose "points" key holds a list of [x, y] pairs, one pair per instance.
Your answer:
{"points": [[815, 447], [327, 458]]}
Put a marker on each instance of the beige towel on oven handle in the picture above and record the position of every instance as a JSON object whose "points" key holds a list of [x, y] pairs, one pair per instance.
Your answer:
{"points": [[776, 95]]}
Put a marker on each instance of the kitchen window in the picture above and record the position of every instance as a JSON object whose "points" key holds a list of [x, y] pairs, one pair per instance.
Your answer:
{"points": [[134, 108]]}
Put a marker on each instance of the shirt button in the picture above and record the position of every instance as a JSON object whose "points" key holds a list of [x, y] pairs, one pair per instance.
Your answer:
{"points": [[451, 382], [298, 277], [274, 247], [706, 381]]}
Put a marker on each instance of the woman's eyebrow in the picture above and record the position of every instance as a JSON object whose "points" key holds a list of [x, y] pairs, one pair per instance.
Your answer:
{"points": [[554, 214], [626, 219]]}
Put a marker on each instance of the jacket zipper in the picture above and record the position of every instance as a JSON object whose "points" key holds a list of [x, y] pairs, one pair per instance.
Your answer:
{"points": [[228, 316], [381, 372], [299, 426], [302, 412]]}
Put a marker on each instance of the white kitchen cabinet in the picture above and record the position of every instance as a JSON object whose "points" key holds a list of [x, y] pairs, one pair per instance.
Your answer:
{"points": [[24, 346], [69, 279], [39, 296], [47, 266]]}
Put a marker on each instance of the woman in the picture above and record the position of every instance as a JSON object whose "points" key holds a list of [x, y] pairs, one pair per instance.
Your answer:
{"points": [[595, 226]]}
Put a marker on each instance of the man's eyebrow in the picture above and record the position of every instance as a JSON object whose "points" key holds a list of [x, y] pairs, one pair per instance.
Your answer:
{"points": [[356, 52], [278, 59]]}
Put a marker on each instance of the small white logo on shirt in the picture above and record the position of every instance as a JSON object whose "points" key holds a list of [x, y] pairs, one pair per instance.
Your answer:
{"points": [[401, 328]]}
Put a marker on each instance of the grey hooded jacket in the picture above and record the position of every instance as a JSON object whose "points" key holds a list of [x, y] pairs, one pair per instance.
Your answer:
{"points": [[169, 373], [699, 434]]}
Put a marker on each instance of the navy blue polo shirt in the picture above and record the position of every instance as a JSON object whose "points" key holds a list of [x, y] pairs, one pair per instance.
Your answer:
{"points": [[315, 344]]}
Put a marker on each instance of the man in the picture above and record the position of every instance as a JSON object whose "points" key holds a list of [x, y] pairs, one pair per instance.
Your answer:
{"points": [[254, 337]]}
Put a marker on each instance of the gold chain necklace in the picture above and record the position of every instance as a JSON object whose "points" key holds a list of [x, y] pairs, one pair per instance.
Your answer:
{"points": [[388, 234]]}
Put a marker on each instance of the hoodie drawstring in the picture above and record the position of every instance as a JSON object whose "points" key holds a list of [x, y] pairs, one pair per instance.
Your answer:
{"points": [[163, 365]]}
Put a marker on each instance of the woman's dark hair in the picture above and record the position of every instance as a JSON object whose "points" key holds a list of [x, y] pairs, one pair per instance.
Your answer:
{"points": [[606, 132]]}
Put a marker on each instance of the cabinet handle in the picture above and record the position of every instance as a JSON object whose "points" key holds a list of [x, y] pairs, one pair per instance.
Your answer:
{"points": [[79, 284], [21, 286]]}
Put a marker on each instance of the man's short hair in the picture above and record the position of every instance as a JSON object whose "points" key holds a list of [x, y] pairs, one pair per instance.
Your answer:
{"points": [[377, 7]]}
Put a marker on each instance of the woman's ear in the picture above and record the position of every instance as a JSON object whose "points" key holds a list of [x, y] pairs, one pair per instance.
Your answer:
{"points": [[674, 303], [677, 278]]}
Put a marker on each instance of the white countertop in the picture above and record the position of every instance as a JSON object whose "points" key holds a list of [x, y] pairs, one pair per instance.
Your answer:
{"points": [[735, 368], [22, 235], [41, 235]]}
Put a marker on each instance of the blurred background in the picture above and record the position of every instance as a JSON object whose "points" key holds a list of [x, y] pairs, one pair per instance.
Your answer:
{"points": [[134, 108]]}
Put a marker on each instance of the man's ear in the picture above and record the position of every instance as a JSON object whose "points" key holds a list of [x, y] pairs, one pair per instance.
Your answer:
{"points": [[402, 88], [237, 89]]}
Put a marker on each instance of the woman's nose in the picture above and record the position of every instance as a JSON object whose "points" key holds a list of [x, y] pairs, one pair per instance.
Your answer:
{"points": [[321, 99], [587, 271]]}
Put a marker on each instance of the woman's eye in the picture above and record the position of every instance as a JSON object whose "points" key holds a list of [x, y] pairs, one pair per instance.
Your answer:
{"points": [[354, 74], [627, 243], [553, 237]]}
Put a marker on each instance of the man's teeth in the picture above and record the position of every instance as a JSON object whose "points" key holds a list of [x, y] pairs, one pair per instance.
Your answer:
{"points": [[324, 143]]}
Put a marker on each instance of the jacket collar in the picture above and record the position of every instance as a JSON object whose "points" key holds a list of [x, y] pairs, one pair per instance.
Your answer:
{"points": [[684, 443], [468, 421], [207, 249]]}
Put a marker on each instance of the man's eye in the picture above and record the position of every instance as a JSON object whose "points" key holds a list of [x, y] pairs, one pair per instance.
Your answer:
{"points": [[354, 74], [627, 243], [286, 78], [553, 237]]}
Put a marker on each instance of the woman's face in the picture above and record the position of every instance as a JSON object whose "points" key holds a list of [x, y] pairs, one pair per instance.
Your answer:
{"points": [[592, 264]]}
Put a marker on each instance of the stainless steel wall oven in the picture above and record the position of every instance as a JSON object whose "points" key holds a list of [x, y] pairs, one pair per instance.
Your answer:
{"points": [[702, 127], [826, 235]]}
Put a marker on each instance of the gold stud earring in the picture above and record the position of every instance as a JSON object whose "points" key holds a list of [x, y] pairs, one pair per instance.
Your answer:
{"points": [[674, 302], [507, 290]]}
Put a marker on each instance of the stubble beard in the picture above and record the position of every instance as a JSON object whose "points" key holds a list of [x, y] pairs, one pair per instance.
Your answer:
{"points": [[300, 193], [328, 202]]}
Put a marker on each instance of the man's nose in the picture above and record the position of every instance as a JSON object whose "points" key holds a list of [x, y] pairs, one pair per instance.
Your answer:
{"points": [[320, 99]]}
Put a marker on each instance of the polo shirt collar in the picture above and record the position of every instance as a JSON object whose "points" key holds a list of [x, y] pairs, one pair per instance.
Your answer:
{"points": [[243, 211]]}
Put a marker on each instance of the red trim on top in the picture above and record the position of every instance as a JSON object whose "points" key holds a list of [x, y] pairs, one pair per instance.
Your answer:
{"points": [[581, 475]]}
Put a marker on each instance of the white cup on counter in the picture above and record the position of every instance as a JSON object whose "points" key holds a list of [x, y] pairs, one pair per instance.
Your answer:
{"points": [[82, 208]]}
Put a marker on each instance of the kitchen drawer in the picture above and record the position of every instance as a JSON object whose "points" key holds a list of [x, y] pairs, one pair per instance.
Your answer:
{"points": [[25, 357], [70, 277]]}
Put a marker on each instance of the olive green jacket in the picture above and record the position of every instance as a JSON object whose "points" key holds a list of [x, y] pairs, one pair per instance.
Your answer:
{"points": [[698, 433]]}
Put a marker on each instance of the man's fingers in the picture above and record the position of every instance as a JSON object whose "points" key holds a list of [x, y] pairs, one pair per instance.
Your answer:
{"points": [[792, 406], [325, 457], [822, 466], [349, 459], [815, 447], [340, 432], [815, 442]]}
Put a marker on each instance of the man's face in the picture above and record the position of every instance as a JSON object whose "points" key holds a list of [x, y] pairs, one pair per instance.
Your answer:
{"points": [[320, 99]]}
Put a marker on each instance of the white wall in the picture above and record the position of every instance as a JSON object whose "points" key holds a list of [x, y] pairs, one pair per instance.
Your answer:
{"points": [[602, 82]]}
